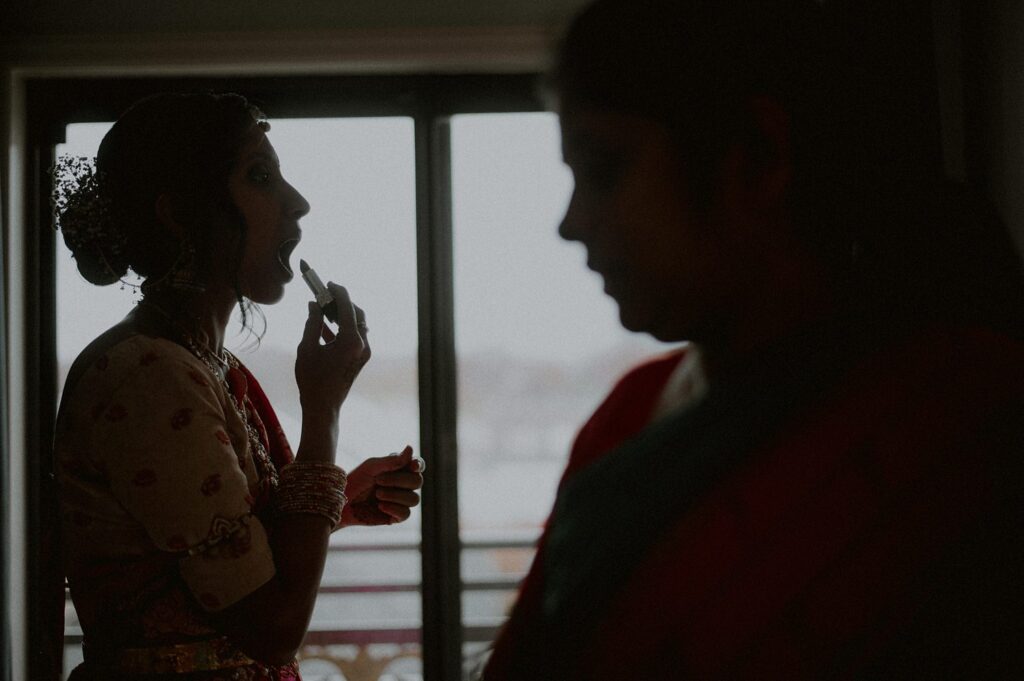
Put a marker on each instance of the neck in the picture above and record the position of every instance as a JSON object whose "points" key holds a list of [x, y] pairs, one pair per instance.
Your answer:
{"points": [[795, 297], [731, 351], [204, 316]]}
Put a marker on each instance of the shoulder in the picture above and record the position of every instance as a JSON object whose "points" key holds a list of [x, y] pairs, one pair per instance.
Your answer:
{"points": [[138, 356], [916, 448], [959, 389], [142, 349], [626, 409], [136, 364], [972, 367]]}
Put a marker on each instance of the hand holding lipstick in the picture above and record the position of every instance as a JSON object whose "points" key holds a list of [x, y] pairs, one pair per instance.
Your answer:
{"points": [[381, 490], [326, 365]]}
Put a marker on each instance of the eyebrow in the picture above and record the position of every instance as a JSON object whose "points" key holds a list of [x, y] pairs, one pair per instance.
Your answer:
{"points": [[264, 156]]}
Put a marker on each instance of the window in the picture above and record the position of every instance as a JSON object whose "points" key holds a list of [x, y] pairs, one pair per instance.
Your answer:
{"points": [[358, 174], [436, 201], [537, 346]]}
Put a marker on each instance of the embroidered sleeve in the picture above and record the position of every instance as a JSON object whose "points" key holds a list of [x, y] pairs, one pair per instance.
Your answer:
{"points": [[170, 462]]}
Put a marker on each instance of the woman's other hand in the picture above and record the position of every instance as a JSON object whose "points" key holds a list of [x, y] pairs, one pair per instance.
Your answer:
{"points": [[383, 490]]}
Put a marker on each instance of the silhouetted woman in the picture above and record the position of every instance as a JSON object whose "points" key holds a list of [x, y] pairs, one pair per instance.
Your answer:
{"points": [[194, 539], [826, 481]]}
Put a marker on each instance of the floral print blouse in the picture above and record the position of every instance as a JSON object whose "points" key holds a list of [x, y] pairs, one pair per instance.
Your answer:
{"points": [[160, 499]]}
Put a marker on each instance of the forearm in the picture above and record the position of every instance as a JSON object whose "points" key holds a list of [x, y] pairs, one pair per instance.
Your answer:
{"points": [[299, 540], [271, 623], [319, 438]]}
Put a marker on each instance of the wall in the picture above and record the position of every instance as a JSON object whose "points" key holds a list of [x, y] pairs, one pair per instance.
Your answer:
{"points": [[994, 104], [149, 16]]}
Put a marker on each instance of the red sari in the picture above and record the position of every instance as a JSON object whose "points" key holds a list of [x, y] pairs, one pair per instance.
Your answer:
{"points": [[871, 529]]}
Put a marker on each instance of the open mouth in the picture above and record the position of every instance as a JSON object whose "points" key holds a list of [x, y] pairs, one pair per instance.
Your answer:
{"points": [[284, 252]]}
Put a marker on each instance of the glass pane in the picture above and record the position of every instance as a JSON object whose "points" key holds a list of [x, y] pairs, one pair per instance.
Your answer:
{"points": [[83, 311], [538, 347], [359, 177]]}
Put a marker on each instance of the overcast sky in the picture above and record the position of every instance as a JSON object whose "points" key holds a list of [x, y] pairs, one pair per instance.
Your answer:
{"points": [[518, 286], [519, 289]]}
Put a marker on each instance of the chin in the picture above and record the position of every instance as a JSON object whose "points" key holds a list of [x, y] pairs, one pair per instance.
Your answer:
{"points": [[668, 336], [273, 299], [631, 320], [267, 295], [650, 323], [636, 311]]}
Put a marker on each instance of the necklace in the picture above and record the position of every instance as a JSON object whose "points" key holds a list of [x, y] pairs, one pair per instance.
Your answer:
{"points": [[225, 367]]}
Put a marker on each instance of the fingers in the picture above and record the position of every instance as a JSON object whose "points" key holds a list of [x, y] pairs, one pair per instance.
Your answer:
{"points": [[400, 470], [362, 330], [314, 323], [399, 497], [315, 328], [393, 462], [346, 312], [361, 326], [403, 479], [396, 489], [396, 512], [404, 457], [351, 322], [350, 318]]}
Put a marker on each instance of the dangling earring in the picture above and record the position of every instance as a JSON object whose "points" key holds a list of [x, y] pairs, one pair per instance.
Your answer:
{"points": [[184, 275]]}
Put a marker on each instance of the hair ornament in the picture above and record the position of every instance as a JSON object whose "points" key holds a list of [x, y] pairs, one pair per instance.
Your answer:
{"points": [[83, 213]]}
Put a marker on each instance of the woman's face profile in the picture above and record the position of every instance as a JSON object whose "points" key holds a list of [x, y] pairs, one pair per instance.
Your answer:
{"points": [[659, 258], [271, 208]]}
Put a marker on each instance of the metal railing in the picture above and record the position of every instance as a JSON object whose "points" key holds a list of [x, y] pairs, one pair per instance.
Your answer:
{"points": [[367, 653]]}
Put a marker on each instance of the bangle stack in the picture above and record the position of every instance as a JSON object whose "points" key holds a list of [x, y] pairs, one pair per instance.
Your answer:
{"points": [[312, 487]]}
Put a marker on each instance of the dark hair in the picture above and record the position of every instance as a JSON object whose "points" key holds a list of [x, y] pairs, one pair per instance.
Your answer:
{"points": [[691, 65], [868, 196], [180, 144]]}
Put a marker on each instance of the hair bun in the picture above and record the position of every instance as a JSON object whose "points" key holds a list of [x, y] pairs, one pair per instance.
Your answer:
{"points": [[96, 267], [84, 216]]}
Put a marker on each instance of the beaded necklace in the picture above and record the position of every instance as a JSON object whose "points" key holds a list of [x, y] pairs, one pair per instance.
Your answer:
{"points": [[225, 366]]}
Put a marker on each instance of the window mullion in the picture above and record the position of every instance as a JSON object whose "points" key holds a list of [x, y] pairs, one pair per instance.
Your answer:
{"points": [[44, 567], [442, 606]]}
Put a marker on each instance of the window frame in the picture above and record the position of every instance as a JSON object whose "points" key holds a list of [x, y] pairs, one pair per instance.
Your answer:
{"points": [[430, 100]]}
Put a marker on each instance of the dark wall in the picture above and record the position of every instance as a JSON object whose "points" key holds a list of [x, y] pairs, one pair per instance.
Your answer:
{"points": [[993, 48], [20, 17]]}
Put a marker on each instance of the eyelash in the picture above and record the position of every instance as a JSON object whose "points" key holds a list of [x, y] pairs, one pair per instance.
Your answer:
{"points": [[260, 174]]}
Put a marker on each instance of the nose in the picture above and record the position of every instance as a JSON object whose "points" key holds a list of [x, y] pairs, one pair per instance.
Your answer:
{"points": [[299, 206]]}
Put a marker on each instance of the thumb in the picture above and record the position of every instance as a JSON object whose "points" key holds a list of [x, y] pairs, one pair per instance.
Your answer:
{"points": [[395, 462]]}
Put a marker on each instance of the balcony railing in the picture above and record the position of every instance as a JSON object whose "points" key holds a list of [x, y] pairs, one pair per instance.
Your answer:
{"points": [[383, 643]]}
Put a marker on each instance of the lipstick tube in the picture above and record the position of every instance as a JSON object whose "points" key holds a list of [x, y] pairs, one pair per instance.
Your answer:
{"points": [[320, 292]]}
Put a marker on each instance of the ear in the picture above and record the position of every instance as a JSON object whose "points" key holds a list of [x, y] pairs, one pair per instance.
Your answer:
{"points": [[166, 215], [757, 170], [766, 155]]}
